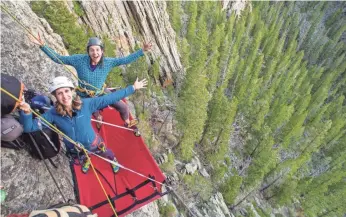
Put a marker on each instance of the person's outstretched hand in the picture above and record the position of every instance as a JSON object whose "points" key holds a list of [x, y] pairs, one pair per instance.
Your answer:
{"points": [[140, 84], [147, 46], [36, 40], [25, 107]]}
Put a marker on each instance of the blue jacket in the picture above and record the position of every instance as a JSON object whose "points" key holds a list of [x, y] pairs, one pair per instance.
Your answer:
{"points": [[79, 127], [81, 62]]}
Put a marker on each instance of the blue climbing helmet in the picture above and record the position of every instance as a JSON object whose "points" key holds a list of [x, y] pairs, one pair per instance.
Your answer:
{"points": [[94, 41]]}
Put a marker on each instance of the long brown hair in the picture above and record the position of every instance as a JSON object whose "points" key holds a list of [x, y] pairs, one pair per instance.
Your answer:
{"points": [[76, 105]]}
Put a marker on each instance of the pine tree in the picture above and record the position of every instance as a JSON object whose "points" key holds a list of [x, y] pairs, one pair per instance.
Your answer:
{"points": [[231, 188], [264, 161], [174, 10], [283, 195], [185, 52], [212, 68], [191, 28], [192, 105], [218, 129]]}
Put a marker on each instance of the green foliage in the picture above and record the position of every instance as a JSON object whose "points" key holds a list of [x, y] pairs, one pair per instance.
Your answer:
{"points": [[115, 77], [261, 212], [249, 212], [169, 165], [199, 185], [77, 8], [231, 188], [286, 191], [192, 11], [64, 23], [136, 69], [146, 131], [174, 10], [192, 104], [155, 72], [167, 210], [185, 52], [219, 173], [281, 84]]}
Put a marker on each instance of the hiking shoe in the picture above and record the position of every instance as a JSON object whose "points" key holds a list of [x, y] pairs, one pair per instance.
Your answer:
{"points": [[136, 132], [115, 167], [86, 166]]}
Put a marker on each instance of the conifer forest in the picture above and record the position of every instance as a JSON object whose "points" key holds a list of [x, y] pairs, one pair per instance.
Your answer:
{"points": [[267, 87]]}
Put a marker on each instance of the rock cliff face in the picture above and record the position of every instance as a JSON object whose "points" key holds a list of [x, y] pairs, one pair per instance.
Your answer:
{"points": [[214, 207]]}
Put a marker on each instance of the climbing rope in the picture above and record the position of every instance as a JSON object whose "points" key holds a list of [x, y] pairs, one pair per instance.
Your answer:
{"points": [[71, 141], [92, 93], [113, 125]]}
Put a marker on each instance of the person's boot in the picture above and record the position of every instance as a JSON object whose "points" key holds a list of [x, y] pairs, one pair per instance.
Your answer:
{"points": [[86, 166], [115, 167], [136, 132], [132, 125]]}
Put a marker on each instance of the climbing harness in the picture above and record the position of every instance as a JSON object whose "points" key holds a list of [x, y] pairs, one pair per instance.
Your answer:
{"points": [[91, 93]]}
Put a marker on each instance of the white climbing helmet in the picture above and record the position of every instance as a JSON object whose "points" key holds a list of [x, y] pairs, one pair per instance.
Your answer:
{"points": [[59, 82]]}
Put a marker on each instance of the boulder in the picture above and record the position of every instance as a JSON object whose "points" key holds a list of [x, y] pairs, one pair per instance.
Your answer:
{"points": [[191, 168]]}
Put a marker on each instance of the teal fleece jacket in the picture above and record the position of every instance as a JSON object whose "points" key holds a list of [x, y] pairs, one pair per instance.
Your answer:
{"points": [[78, 127], [81, 62]]}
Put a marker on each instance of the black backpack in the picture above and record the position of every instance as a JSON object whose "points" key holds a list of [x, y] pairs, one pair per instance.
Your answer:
{"points": [[44, 144]]}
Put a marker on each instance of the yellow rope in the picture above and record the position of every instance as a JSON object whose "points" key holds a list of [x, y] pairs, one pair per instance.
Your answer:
{"points": [[98, 179], [70, 140], [60, 61]]}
